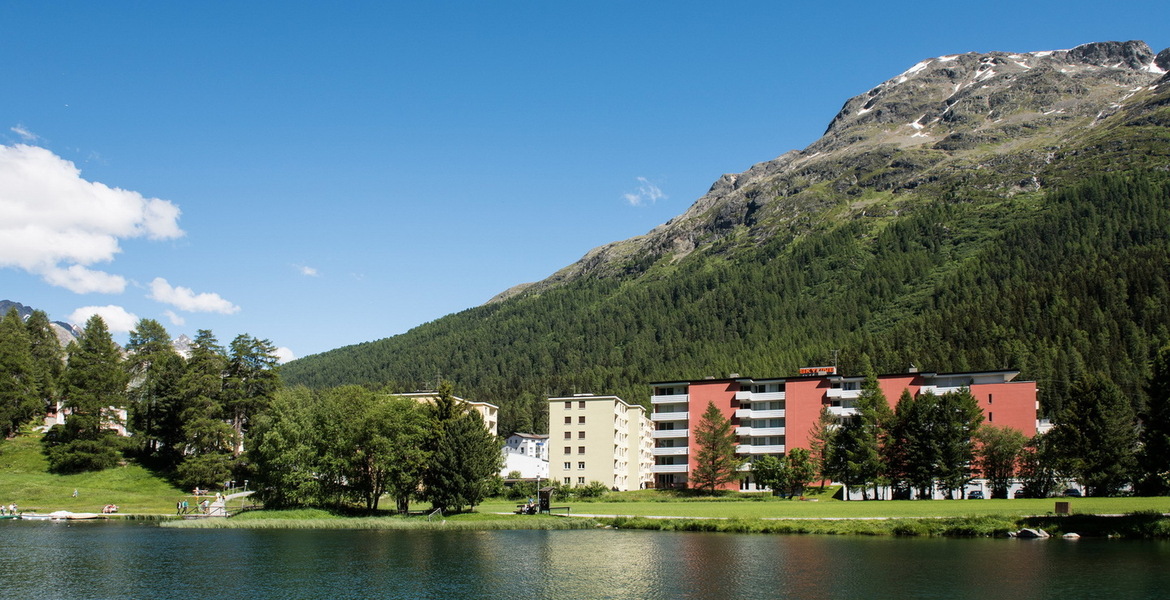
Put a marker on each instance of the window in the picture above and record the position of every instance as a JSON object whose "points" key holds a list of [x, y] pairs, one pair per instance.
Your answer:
{"points": [[581, 404], [990, 397], [568, 420], [568, 449], [990, 417], [568, 435], [569, 404], [580, 481], [568, 480], [568, 465], [581, 465], [580, 449], [581, 420], [580, 435]]}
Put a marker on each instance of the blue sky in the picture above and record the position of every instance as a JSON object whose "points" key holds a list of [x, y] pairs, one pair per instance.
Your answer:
{"points": [[324, 174]]}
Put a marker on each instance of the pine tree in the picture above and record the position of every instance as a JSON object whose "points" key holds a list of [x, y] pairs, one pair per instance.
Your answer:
{"points": [[957, 421], [19, 389], [95, 386], [1155, 435], [1096, 436], [715, 463], [155, 370], [48, 357]]}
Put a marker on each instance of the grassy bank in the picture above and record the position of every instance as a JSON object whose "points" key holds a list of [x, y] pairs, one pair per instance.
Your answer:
{"points": [[25, 480]]}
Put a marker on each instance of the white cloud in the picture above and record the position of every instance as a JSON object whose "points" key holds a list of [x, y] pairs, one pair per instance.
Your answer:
{"points": [[24, 133], [307, 270], [175, 318], [187, 300], [56, 224], [81, 280], [117, 319], [284, 355], [647, 193]]}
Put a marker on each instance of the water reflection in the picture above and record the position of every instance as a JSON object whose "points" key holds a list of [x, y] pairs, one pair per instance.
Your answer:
{"points": [[52, 560]]}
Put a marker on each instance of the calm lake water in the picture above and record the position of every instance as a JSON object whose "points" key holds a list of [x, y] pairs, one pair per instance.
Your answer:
{"points": [[141, 561]]}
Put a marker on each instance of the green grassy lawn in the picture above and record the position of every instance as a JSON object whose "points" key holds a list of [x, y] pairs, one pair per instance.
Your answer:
{"points": [[24, 479]]}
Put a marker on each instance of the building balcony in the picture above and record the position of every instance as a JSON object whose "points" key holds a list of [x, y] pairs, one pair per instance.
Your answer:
{"points": [[669, 416], [767, 396], [751, 449], [743, 395], [842, 411], [670, 399], [660, 434], [670, 468], [677, 451], [761, 414], [843, 394], [759, 431], [939, 390]]}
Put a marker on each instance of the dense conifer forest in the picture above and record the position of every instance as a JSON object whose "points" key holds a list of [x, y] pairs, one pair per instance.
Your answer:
{"points": [[1057, 284]]}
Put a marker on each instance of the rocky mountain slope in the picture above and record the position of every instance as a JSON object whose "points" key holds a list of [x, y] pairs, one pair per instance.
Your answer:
{"points": [[1003, 122], [978, 211]]}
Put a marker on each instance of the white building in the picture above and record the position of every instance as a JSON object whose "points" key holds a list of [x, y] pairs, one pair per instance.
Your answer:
{"points": [[528, 444]]}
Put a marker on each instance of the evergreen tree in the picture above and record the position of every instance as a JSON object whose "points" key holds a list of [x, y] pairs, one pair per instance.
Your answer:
{"points": [[464, 455], [19, 389], [912, 453], [95, 385], [1155, 434], [209, 442], [715, 462], [821, 443], [1096, 436], [48, 358], [252, 377], [155, 371], [957, 421]]}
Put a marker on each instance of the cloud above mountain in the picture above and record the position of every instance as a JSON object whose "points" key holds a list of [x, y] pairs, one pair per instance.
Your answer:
{"points": [[57, 224]]}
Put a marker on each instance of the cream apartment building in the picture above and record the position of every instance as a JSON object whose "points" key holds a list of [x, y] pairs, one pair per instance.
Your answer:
{"points": [[599, 438]]}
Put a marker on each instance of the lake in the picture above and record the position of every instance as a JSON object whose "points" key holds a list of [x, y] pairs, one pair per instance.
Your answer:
{"points": [[142, 561]]}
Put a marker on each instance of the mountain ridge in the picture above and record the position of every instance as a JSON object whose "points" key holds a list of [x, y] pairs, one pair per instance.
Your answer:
{"points": [[906, 112]]}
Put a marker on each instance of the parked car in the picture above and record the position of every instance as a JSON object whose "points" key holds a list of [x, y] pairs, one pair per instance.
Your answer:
{"points": [[1072, 493], [975, 495], [1022, 493]]}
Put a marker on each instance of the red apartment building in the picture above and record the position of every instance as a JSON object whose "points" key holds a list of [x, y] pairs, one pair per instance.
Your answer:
{"points": [[771, 415]]}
